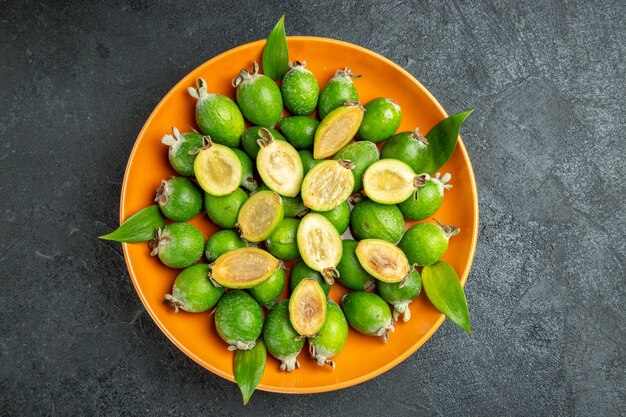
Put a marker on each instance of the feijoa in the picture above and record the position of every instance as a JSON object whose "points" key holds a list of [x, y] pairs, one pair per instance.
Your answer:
{"points": [[282, 242], [308, 162], [217, 115], [183, 148], [429, 198], [294, 207], [337, 129], [338, 216], [337, 91], [221, 242], [281, 339], [244, 268], [332, 336], [372, 220], [178, 245], [238, 320], [193, 291], [217, 168], [328, 184], [381, 120], [362, 154], [223, 211], [179, 199], [299, 130], [400, 296], [260, 215], [408, 147], [425, 243], [307, 308], [351, 274], [368, 314], [383, 260], [301, 271], [300, 89], [258, 97], [319, 244], [279, 165], [247, 178], [390, 181], [268, 292]]}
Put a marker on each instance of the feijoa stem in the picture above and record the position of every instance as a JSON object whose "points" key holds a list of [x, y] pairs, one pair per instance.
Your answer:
{"points": [[347, 164], [448, 230], [161, 193], [265, 137], [419, 181], [330, 274], [173, 303], [346, 72], [418, 136]]}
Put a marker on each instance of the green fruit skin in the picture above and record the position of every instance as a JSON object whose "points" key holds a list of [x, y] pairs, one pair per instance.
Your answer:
{"points": [[362, 154], [300, 91], [247, 168], [424, 244], [429, 199], [268, 292], [299, 130], [351, 274], [332, 336], [282, 242], [371, 220], [224, 210], [239, 319], [339, 216], [294, 207], [308, 162], [260, 100], [301, 271], [250, 137], [180, 159], [195, 291], [381, 120], [184, 199], [404, 147], [280, 336], [336, 92], [393, 294], [183, 247], [366, 312], [220, 118], [221, 242]]}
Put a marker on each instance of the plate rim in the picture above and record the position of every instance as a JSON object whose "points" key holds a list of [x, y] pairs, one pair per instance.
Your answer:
{"points": [[318, 389]]}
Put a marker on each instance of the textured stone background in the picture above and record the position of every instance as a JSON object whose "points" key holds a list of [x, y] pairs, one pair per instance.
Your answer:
{"points": [[548, 286]]}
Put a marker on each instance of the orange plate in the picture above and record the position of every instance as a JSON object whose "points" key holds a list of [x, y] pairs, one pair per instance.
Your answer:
{"points": [[363, 357]]}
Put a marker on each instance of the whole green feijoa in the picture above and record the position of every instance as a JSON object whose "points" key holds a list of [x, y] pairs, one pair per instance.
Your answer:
{"points": [[268, 292], [247, 179], [301, 271], [193, 291], [408, 147], [178, 245], [282, 242], [224, 210], [307, 160], [299, 130], [429, 198], [362, 154], [250, 137], [337, 91], [401, 294], [368, 314], [258, 97], [381, 120], [179, 199], [425, 243], [372, 220], [217, 116], [281, 339], [300, 89], [294, 207], [183, 149], [221, 242], [239, 320], [351, 274], [332, 336], [339, 216]]}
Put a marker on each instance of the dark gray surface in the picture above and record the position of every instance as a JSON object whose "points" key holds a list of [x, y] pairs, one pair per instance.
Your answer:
{"points": [[548, 286]]}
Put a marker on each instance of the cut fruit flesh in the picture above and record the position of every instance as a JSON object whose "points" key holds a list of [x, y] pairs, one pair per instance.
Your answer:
{"points": [[279, 165], [260, 215], [337, 129], [244, 268], [389, 181], [320, 245], [218, 169], [383, 260], [327, 185], [307, 308]]}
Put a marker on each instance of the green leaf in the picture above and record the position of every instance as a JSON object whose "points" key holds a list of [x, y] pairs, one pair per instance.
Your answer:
{"points": [[442, 140], [275, 54], [140, 227], [444, 290], [249, 367]]}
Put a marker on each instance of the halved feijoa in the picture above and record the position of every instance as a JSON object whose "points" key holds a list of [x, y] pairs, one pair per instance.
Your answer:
{"points": [[328, 184], [337, 129], [383, 260], [244, 268], [279, 165], [259, 215], [320, 245], [307, 308], [217, 168], [390, 181]]}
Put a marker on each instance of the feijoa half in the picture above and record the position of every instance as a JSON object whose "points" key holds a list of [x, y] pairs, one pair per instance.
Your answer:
{"points": [[389, 181], [337, 129], [383, 260], [217, 168], [244, 268], [307, 308], [279, 165], [320, 245], [260, 215], [328, 184]]}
